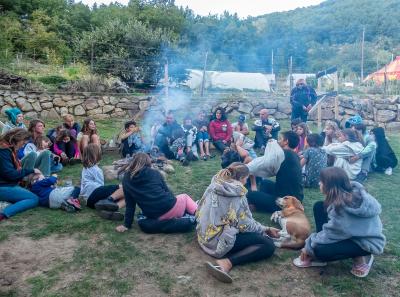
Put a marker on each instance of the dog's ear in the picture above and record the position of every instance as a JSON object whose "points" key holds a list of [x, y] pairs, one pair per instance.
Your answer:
{"points": [[296, 203]]}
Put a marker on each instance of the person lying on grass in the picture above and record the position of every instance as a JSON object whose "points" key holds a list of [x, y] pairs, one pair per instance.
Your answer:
{"points": [[108, 200], [225, 227], [146, 187], [52, 196], [347, 223]]}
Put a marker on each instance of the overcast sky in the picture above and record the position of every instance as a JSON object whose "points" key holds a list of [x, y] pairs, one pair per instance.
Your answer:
{"points": [[243, 8]]}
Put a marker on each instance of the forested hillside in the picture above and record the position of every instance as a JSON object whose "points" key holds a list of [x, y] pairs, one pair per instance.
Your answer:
{"points": [[133, 42]]}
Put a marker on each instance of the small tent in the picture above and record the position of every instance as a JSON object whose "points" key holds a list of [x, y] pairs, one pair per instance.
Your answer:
{"points": [[392, 72]]}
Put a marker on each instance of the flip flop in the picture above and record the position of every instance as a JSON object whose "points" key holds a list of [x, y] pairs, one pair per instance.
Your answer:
{"points": [[305, 264], [217, 272], [362, 270]]}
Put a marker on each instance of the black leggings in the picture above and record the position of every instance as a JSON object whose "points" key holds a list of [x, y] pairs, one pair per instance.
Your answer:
{"points": [[250, 247], [340, 250], [101, 193], [220, 146], [264, 200]]}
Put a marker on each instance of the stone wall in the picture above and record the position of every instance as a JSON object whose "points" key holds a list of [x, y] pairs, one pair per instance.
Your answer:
{"points": [[53, 106], [374, 111]]}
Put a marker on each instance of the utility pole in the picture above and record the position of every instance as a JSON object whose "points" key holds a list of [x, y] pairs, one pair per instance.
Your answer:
{"points": [[272, 62], [203, 82], [362, 55]]}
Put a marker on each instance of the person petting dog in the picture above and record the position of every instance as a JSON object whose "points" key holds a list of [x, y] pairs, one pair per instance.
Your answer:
{"points": [[347, 224], [225, 226]]}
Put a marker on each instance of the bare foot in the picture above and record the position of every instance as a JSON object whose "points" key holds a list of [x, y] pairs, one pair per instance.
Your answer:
{"points": [[225, 264]]}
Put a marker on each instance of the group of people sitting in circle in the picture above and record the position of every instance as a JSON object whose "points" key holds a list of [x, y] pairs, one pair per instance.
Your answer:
{"points": [[336, 160]]}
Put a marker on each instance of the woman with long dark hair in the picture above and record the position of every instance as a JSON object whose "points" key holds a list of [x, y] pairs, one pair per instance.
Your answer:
{"points": [[12, 173], [347, 224], [220, 130]]}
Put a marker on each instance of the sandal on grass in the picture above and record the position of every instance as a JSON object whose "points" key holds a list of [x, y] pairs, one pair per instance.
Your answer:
{"points": [[362, 270], [217, 272], [305, 264]]}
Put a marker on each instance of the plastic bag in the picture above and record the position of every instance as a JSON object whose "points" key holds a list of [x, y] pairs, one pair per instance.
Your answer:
{"points": [[269, 164]]}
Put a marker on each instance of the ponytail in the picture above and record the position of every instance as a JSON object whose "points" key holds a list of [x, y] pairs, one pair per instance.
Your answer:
{"points": [[235, 171]]}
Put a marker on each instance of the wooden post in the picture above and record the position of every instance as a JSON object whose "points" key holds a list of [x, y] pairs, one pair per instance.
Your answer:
{"points": [[385, 82], [362, 55], [336, 107], [319, 115], [203, 81], [272, 62], [319, 86], [92, 57], [291, 73], [166, 78]]}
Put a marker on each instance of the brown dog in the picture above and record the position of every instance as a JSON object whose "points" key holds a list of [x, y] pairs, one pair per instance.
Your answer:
{"points": [[295, 225]]}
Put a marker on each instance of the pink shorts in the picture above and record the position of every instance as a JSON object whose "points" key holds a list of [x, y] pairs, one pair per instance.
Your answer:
{"points": [[184, 203]]}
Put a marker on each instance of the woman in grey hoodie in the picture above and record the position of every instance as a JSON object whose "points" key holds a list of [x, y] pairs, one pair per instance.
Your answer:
{"points": [[225, 226], [347, 223]]}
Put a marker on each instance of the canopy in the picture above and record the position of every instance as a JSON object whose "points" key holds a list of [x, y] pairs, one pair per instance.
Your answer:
{"points": [[392, 72]]}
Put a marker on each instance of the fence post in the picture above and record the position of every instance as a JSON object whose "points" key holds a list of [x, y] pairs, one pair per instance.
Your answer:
{"points": [[203, 81], [291, 73]]}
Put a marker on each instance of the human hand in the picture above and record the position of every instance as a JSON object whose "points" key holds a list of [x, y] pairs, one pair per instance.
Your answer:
{"points": [[268, 128], [36, 171], [121, 229], [354, 159], [309, 106], [63, 156], [304, 257], [272, 232]]}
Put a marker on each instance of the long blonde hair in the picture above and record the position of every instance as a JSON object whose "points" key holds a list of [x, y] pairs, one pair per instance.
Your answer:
{"points": [[236, 171], [139, 161], [91, 155]]}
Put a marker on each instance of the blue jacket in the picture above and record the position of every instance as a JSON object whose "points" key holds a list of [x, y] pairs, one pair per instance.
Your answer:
{"points": [[9, 175], [43, 188]]}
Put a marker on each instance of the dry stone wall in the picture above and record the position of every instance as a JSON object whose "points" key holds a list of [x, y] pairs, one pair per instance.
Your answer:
{"points": [[374, 110], [53, 106]]}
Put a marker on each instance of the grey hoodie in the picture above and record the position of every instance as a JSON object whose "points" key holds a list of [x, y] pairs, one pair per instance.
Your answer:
{"points": [[360, 223], [223, 212]]}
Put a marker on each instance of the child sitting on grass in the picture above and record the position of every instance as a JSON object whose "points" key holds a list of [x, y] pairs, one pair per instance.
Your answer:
{"points": [[131, 140], [52, 196], [145, 187], [106, 199], [66, 147], [314, 159], [302, 131], [347, 225]]}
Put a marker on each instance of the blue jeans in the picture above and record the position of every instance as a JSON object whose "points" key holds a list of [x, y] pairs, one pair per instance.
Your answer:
{"points": [[21, 200]]}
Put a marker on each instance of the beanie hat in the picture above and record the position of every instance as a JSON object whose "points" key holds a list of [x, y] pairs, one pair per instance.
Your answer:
{"points": [[242, 118], [12, 114], [354, 120]]}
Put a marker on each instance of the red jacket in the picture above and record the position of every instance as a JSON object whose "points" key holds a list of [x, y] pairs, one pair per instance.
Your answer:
{"points": [[220, 130]]}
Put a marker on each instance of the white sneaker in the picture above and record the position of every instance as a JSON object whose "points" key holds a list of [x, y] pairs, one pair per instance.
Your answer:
{"points": [[388, 171]]}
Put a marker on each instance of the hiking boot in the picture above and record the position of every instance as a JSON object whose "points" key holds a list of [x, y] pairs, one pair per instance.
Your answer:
{"points": [[111, 215], [107, 204], [361, 177]]}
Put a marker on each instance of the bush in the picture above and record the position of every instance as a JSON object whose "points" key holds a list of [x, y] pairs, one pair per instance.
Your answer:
{"points": [[52, 79]]}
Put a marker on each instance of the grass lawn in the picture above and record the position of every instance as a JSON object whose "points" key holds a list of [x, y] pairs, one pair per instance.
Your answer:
{"points": [[51, 253]]}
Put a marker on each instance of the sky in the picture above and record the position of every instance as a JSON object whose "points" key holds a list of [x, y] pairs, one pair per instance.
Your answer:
{"points": [[243, 8]]}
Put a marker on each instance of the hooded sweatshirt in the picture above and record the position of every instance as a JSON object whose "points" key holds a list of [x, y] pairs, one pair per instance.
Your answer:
{"points": [[343, 151], [385, 156], [148, 190], [220, 130], [359, 223], [223, 212]]}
